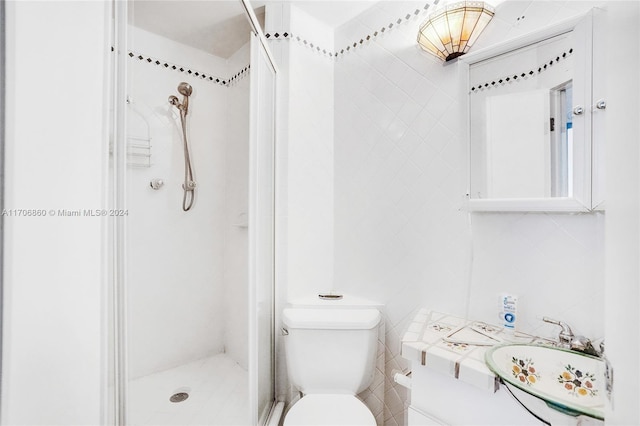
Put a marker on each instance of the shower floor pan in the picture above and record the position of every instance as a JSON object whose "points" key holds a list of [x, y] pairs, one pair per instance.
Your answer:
{"points": [[217, 389]]}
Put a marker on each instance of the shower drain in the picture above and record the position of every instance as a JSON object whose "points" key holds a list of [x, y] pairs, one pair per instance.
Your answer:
{"points": [[179, 397]]}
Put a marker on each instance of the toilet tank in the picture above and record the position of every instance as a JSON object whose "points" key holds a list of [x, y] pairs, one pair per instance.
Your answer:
{"points": [[331, 350]]}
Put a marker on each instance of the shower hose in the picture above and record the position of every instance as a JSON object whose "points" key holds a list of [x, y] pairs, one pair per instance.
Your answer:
{"points": [[189, 185]]}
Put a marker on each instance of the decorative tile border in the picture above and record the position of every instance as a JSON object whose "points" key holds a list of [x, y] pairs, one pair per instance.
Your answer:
{"points": [[519, 77], [239, 75], [174, 67], [406, 18], [288, 35]]}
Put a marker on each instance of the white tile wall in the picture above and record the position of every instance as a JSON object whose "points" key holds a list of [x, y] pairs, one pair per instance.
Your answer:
{"points": [[562, 277], [400, 236], [187, 288]]}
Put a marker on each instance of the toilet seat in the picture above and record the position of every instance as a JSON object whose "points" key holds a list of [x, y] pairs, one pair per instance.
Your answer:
{"points": [[329, 409]]}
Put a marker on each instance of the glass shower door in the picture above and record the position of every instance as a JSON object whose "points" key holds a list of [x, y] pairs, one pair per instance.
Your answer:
{"points": [[193, 289]]}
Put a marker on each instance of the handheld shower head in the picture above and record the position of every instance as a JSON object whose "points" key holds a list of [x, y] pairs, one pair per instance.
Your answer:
{"points": [[189, 185], [185, 89]]}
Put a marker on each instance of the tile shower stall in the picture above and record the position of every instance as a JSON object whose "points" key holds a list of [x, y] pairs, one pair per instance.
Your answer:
{"points": [[189, 296], [187, 300]]}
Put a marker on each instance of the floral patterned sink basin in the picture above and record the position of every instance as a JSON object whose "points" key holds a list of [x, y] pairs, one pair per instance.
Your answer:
{"points": [[567, 381]]}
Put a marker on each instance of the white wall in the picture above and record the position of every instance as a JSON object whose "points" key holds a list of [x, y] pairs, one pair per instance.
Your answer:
{"points": [[400, 235], [553, 262], [304, 164], [622, 295], [309, 160], [54, 355]]}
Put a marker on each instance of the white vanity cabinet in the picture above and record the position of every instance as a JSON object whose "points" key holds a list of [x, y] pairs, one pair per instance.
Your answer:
{"points": [[440, 399]]}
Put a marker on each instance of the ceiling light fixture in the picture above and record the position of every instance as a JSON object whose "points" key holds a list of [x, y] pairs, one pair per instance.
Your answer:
{"points": [[452, 30]]}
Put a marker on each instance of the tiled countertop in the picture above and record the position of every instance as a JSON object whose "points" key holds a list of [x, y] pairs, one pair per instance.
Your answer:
{"points": [[444, 343]]}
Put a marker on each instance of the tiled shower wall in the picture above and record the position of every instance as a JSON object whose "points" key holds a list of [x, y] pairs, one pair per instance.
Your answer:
{"points": [[174, 290], [236, 239], [172, 287], [401, 237]]}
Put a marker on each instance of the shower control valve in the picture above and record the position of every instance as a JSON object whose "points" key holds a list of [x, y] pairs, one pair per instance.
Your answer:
{"points": [[156, 183]]}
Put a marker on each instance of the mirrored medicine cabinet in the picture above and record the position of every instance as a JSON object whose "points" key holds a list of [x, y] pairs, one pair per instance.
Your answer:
{"points": [[534, 112]]}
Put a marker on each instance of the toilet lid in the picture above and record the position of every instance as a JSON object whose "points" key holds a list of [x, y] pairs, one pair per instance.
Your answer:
{"points": [[328, 409]]}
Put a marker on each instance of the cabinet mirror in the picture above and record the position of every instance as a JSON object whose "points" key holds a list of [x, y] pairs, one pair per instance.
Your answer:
{"points": [[529, 131]]}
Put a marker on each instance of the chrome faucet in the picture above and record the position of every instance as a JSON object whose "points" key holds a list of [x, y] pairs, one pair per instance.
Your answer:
{"points": [[568, 340]]}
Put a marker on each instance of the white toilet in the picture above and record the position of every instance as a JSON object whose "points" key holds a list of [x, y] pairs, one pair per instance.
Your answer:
{"points": [[331, 356]]}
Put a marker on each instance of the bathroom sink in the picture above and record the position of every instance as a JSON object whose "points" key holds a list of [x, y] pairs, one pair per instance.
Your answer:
{"points": [[543, 377]]}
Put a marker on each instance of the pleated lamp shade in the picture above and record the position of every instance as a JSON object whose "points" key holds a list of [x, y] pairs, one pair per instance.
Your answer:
{"points": [[452, 30]]}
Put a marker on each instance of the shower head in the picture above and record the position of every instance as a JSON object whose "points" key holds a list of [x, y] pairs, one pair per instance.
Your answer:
{"points": [[185, 89]]}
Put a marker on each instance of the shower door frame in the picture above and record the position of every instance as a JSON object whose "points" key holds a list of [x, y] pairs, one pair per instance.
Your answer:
{"points": [[2, 142], [115, 410], [256, 254], [116, 399]]}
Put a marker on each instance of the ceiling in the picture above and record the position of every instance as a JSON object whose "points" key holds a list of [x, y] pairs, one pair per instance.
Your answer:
{"points": [[220, 26], [334, 12], [217, 27]]}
